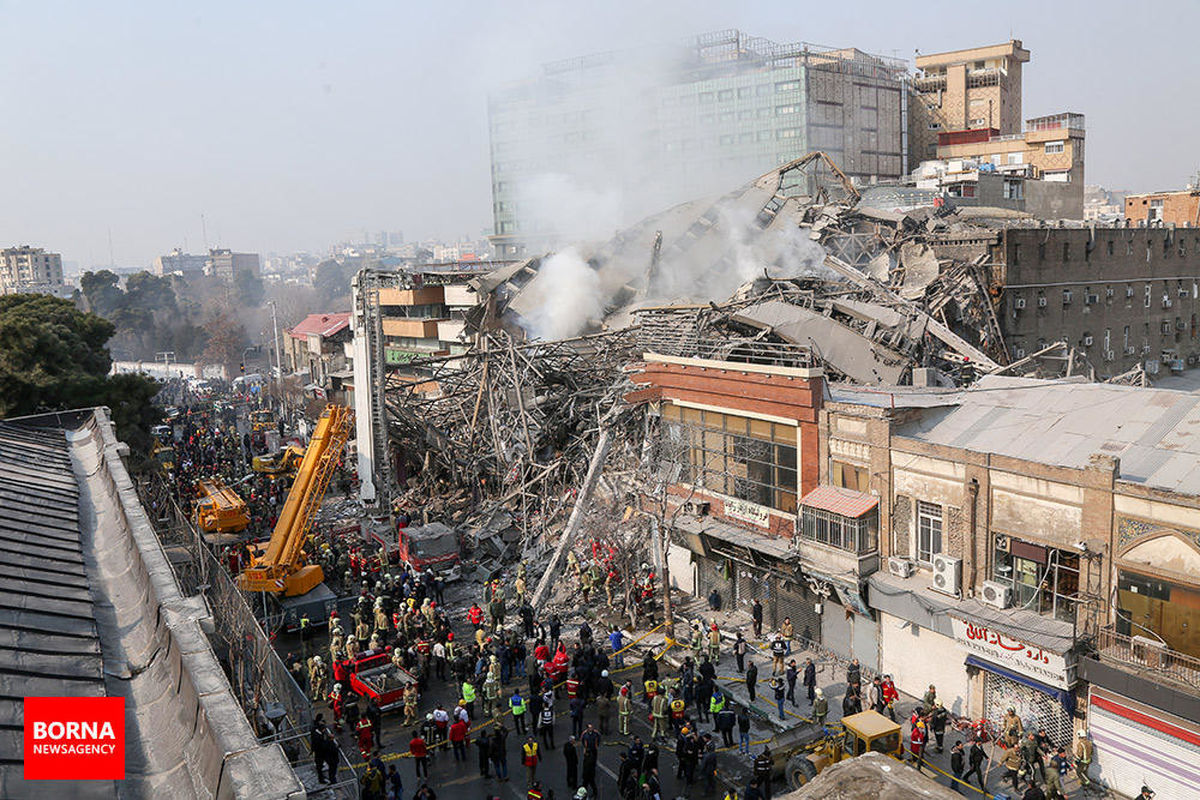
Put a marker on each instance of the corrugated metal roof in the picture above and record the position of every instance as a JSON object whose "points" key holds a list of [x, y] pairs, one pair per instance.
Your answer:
{"points": [[321, 324], [49, 644], [844, 502], [1154, 432]]}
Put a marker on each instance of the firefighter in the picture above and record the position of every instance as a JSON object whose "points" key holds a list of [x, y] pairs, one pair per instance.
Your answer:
{"points": [[366, 737], [624, 709]]}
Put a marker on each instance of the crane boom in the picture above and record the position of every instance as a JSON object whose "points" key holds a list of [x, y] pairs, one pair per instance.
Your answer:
{"points": [[280, 567]]}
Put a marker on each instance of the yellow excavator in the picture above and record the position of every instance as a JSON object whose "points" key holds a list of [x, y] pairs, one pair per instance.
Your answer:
{"points": [[280, 567]]}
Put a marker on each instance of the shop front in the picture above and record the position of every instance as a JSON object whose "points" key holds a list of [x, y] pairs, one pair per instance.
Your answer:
{"points": [[1023, 670]]}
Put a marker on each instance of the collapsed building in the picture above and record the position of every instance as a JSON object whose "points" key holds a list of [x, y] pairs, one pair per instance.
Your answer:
{"points": [[797, 268]]}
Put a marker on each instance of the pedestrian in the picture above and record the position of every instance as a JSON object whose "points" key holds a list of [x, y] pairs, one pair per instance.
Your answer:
{"points": [[810, 679], [791, 674], [820, 708], [762, 769], [854, 674], [788, 632], [725, 720], [498, 752], [320, 740], [975, 761], [617, 643], [546, 726], [587, 775], [756, 613], [751, 679], [1032, 754], [419, 750], [458, 739], [374, 714], [743, 723], [708, 766], [519, 706], [740, 647], [958, 762], [483, 746], [529, 758], [780, 694], [1033, 791], [916, 744], [571, 757], [425, 793], [395, 784]]}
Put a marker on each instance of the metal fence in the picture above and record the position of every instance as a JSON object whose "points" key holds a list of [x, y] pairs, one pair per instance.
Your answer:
{"points": [[1143, 652]]}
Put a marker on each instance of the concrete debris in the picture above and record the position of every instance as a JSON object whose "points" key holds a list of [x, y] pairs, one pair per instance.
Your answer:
{"points": [[871, 776]]}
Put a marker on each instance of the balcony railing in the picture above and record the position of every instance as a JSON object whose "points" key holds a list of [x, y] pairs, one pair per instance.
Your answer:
{"points": [[1145, 653]]}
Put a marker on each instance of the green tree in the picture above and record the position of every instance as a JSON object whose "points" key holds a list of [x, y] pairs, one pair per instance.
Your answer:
{"points": [[249, 288], [53, 357], [102, 292]]}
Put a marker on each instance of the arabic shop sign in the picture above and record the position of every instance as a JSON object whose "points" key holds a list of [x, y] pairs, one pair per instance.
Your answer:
{"points": [[747, 512], [1004, 651]]}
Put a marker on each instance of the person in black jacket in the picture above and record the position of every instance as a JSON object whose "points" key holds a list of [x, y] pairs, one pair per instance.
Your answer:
{"points": [[757, 613], [587, 777], [751, 678], [958, 759], [975, 759], [810, 679], [571, 755], [762, 772], [724, 723]]}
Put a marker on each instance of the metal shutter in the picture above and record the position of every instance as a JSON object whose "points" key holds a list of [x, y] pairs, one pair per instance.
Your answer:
{"points": [[1130, 753], [1036, 709]]}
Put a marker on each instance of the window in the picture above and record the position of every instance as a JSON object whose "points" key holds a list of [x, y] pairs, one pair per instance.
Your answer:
{"points": [[1147, 299], [707, 97], [1043, 579], [1055, 147], [735, 456], [744, 92], [857, 535], [935, 126], [929, 531], [784, 110], [848, 476], [788, 86]]}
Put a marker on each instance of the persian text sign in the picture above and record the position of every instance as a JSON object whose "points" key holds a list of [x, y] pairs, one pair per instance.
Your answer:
{"points": [[1004, 651], [747, 512], [74, 738]]}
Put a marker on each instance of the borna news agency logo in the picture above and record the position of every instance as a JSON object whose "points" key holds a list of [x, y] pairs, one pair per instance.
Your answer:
{"points": [[74, 738]]}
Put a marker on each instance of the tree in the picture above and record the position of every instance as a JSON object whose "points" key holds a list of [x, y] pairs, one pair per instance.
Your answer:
{"points": [[102, 292], [226, 341], [249, 288], [53, 357]]}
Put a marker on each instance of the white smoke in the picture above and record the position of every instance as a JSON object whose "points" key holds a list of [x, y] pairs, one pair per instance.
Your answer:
{"points": [[568, 207], [565, 295]]}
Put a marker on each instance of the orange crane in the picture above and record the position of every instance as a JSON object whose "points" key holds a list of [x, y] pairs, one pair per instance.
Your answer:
{"points": [[280, 567]]}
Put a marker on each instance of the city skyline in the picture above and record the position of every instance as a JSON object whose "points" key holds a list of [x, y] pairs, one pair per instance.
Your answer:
{"points": [[289, 131]]}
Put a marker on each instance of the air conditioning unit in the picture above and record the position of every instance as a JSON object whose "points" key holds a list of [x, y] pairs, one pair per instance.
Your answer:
{"points": [[1066, 297], [1108, 292], [1130, 351], [1109, 355], [696, 508], [1041, 302], [1128, 292], [1002, 542], [900, 567], [1166, 301], [1019, 303], [947, 575], [1166, 328], [1087, 341], [1092, 299], [1151, 366], [996, 594]]}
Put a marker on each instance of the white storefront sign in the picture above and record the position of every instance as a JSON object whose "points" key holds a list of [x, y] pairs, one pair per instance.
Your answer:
{"points": [[747, 512], [1004, 651]]}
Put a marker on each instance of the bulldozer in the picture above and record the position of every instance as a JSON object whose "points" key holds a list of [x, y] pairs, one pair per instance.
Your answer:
{"points": [[799, 754], [285, 462]]}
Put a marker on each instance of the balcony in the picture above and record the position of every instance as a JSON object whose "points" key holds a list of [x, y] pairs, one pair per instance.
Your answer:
{"points": [[930, 83], [1142, 653]]}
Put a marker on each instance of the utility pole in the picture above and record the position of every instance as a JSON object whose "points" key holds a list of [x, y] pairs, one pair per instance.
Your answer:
{"points": [[278, 361]]}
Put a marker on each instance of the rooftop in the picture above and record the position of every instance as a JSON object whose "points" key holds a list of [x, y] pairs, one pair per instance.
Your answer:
{"points": [[1154, 432], [321, 324], [89, 607]]}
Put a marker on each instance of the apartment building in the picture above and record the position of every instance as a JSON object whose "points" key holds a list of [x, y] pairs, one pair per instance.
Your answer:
{"points": [[179, 262], [224, 263], [30, 269], [978, 88], [1181, 209], [621, 135]]}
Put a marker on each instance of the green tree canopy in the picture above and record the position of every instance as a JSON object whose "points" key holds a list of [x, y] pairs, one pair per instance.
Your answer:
{"points": [[53, 357]]}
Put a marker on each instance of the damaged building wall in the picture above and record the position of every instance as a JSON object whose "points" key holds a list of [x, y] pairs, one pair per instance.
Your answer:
{"points": [[1122, 296]]}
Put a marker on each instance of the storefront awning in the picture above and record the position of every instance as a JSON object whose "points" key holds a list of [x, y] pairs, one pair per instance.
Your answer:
{"points": [[1064, 696], [843, 502], [773, 546]]}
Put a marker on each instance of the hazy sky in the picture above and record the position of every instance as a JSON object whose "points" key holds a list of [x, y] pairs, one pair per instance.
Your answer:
{"points": [[291, 125]]}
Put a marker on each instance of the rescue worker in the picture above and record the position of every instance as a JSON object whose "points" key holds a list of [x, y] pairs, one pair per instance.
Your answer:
{"points": [[519, 706], [366, 735], [529, 759], [778, 651], [714, 643], [624, 709], [1083, 757], [820, 707], [916, 744], [1011, 728], [468, 697], [658, 714]]}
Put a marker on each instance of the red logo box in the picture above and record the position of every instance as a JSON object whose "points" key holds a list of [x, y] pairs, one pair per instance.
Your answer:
{"points": [[74, 738]]}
